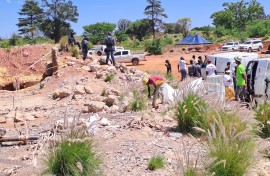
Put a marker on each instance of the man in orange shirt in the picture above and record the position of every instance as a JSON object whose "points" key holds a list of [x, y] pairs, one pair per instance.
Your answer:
{"points": [[158, 83]]}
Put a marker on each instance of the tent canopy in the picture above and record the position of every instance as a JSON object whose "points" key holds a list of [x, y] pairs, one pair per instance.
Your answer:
{"points": [[194, 40]]}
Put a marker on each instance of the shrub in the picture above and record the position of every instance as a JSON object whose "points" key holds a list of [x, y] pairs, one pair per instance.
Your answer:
{"points": [[41, 85], [154, 47], [109, 78], [138, 102], [231, 150], [262, 114], [156, 162], [63, 42], [191, 172], [74, 51], [191, 112]]}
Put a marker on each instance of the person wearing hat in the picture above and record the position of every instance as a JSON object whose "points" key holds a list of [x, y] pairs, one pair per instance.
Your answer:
{"points": [[228, 83], [210, 69], [85, 47], [109, 42], [241, 79], [158, 83], [72, 41]]}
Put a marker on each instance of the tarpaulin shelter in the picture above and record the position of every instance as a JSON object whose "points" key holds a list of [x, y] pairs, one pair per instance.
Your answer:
{"points": [[194, 40]]}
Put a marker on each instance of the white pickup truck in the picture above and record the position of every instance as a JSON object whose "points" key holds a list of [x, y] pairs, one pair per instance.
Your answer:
{"points": [[126, 57]]}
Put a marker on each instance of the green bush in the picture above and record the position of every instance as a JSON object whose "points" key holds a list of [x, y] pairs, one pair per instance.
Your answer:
{"points": [[138, 102], [73, 158], [262, 114], [191, 172], [231, 149], [191, 112], [156, 162], [154, 47], [74, 51], [109, 78]]}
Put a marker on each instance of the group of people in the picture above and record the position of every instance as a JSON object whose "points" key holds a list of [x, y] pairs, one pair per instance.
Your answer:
{"points": [[109, 41]]}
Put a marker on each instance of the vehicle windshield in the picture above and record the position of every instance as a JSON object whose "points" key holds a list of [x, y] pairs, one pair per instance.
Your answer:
{"points": [[229, 43], [247, 43]]}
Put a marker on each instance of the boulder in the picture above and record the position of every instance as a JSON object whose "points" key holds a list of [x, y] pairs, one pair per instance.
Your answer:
{"points": [[114, 109], [111, 99], [2, 131], [61, 93], [88, 90], [71, 122], [70, 63], [3, 119], [112, 92], [102, 61], [79, 89], [94, 67], [95, 106], [99, 74]]}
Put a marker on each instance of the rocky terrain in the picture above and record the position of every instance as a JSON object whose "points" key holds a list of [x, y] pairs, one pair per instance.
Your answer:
{"points": [[125, 142]]}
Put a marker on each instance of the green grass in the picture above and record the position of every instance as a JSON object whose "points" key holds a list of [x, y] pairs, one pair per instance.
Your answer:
{"points": [[109, 78], [74, 51], [138, 102], [262, 114], [191, 172], [156, 162], [73, 158], [191, 112], [41, 85]]}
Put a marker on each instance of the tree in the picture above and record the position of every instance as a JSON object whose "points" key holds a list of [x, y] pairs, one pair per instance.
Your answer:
{"points": [[97, 32], [238, 15], [184, 26], [58, 16], [169, 28], [33, 18], [121, 36], [155, 12], [123, 24], [139, 29]]}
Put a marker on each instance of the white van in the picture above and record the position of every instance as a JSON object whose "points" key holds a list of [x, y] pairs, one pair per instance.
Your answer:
{"points": [[258, 77], [220, 60]]}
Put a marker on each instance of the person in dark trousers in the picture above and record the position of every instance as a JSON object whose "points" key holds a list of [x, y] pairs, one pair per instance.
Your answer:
{"points": [[72, 41], [198, 72], [200, 61], [168, 66], [109, 42], [85, 47], [191, 69], [181, 67]]}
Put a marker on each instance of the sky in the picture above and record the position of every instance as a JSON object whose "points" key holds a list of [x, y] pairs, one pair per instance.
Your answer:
{"points": [[93, 11]]}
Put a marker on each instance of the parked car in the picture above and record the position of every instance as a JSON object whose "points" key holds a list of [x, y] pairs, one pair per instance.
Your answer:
{"points": [[100, 49], [126, 57], [251, 45], [220, 60], [230, 46], [258, 77]]}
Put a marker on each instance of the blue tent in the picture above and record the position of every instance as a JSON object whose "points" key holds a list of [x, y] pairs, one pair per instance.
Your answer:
{"points": [[193, 40]]}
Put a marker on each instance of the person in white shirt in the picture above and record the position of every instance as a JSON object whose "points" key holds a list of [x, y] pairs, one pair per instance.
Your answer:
{"points": [[228, 83], [182, 68], [210, 69]]}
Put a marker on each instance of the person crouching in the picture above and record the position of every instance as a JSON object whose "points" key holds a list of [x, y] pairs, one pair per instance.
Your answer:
{"points": [[158, 83]]}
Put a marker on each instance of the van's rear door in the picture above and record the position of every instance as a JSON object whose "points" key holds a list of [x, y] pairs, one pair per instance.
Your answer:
{"points": [[259, 83]]}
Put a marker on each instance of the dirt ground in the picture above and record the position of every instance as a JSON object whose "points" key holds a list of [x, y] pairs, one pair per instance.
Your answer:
{"points": [[125, 149]]}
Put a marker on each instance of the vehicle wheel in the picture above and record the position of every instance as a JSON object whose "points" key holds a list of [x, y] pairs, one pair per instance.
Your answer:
{"points": [[99, 53], [249, 50], [260, 48], [233, 49], [135, 61]]}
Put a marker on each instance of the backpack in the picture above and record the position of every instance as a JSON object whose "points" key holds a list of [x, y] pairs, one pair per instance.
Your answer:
{"points": [[109, 41]]}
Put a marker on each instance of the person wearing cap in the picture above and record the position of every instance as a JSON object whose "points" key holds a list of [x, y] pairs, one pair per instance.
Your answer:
{"points": [[241, 80], [181, 67], [109, 42], [158, 83], [72, 41], [228, 83], [210, 69], [168, 66], [85, 47]]}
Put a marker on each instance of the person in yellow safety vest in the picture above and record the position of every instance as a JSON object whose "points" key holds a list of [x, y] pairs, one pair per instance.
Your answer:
{"points": [[158, 83], [228, 83]]}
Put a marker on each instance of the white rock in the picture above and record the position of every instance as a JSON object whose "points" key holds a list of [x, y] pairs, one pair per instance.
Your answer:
{"points": [[70, 63], [88, 90], [99, 74], [95, 67], [79, 89], [95, 106]]}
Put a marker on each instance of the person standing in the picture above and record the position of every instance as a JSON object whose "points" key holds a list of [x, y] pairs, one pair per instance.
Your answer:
{"points": [[241, 80], [85, 47], [198, 68], [109, 42], [182, 68], [210, 69], [229, 86], [168, 66], [158, 83], [72, 41], [191, 69]]}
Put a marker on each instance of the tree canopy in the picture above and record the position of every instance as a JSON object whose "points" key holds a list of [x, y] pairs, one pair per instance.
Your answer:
{"points": [[58, 15], [139, 29], [32, 16], [97, 32], [155, 12]]}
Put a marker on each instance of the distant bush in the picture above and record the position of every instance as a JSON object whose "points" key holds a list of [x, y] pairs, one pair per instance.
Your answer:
{"points": [[138, 102], [262, 114], [74, 51], [156, 162], [109, 78], [154, 47]]}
